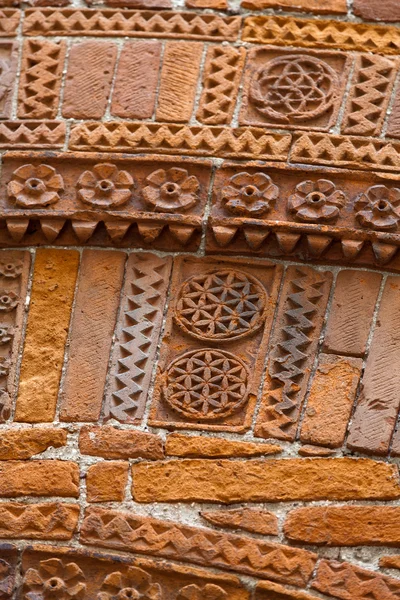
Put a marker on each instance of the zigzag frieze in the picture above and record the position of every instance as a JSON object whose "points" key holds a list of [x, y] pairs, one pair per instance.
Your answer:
{"points": [[146, 283], [22, 134], [180, 139], [132, 23], [146, 535], [289, 31], [57, 521]]}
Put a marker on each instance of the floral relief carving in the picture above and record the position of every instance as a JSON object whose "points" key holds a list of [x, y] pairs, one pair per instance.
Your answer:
{"points": [[172, 190], [105, 186], [221, 305], [379, 208], [209, 592], [206, 384], [249, 195], [294, 88], [316, 202], [136, 584], [54, 581], [35, 186], [11, 270], [8, 301]]}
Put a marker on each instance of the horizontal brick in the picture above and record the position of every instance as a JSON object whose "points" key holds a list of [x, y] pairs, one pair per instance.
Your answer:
{"points": [[248, 519], [264, 480], [267, 590], [377, 10], [345, 525], [109, 442], [18, 444], [39, 478], [318, 7], [390, 562], [47, 521], [106, 481], [182, 445]]}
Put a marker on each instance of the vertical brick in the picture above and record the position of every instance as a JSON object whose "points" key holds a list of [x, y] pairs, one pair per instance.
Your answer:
{"points": [[179, 75], [89, 77], [146, 283], [40, 80], [351, 313], [295, 340], [136, 81], [9, 59], [92, 328], [375, 416], [49, 315], [393, 129], [106, 481], [331, 400]]}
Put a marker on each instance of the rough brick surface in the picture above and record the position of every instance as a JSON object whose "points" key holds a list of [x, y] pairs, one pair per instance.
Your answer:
{"points": [[17, 444], [248, 519], [312, 6], [109, 442], [106, 481], [178, 444], [39, 478], [46, 521], [373, 10]]}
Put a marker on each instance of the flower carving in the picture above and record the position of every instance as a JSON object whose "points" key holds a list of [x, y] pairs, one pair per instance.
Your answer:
{"points": [[11, 270], [35, 187], [54, 581], [136, 584], [316, 202], [379, 208], [8, 301], [6, 334], [105, 186], [249, 195], [208, 592], [173, 190]]}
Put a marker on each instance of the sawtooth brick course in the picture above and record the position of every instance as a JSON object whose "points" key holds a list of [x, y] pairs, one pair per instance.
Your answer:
{"points": [[110, 442], [47, 521], [106, 481], [39, 478]]}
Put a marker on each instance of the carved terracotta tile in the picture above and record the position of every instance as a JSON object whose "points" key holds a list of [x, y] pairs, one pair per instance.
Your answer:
{"points": [[214, 343]]}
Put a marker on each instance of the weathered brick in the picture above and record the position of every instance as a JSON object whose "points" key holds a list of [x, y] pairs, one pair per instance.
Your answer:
{"points": [[9, 59], [135, 87], [375, 416], [18, 444], [393, 128], [312, 6], [39, 478], [248, 519], [214, 4], [179, 75], [52, 295], [47, 521], [310, 450], [376, 10], [229, 481], [92, 328], [182, 445], [330, 401], [267, 590], [106, 481], [351, 312], [390, 562], [109, 442], [88, 81], [348, 582], [137, 533]]}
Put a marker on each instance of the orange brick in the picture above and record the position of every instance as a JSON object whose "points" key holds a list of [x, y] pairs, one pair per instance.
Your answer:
{"points": [[47, 521], [109, 442], [318, 7], [106, 481], [23, 443], [182, 445], [39, 478]]}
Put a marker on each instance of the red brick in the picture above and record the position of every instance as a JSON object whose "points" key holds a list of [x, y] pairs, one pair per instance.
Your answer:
{"points": [[313, 6], [47, 521], [109, 442], [17, 444], [214, 4], [88, 81], [182, 445], [248, 519], [330, 401], [267, 590], [375, 416], [179, 75], [351, 312], [106, 481], [39, 478], [135, 87], [377, 10], [92, 327]]}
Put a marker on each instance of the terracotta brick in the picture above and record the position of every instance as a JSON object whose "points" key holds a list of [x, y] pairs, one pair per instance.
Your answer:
{"points": [[92, 327], [267, 590], [179, 75], [40, 79], [39, 478], [88, 81], [47, 521], [282, 480], [345, 525], [351, 312], [136, 81], [375, 416], [32, 134], [295, 338], [248, 519], [375, 10], [174, 541], [313, 6], [182, 445], [109, 442], [214, 4], [9, 556], [348, 582], [390, 562], [147, 4], [106, 481], [393, 128], [52, 295], [18, 444], [9, 58], [310, 450], [330, 401]]}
